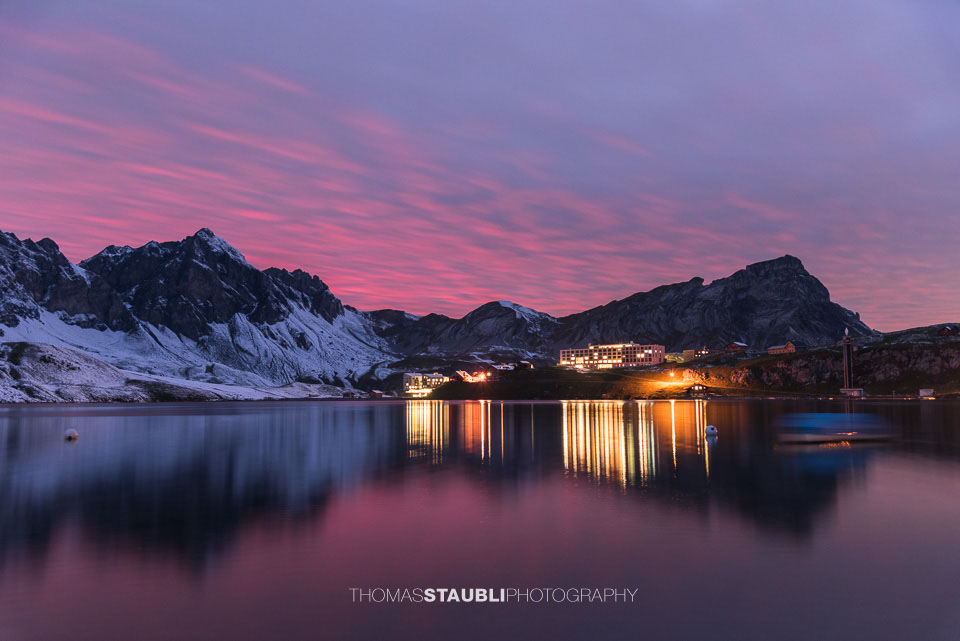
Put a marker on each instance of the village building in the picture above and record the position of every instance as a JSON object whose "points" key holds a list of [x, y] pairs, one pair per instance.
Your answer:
{"points": [[787, 348], [692, 354], [478, 376]]}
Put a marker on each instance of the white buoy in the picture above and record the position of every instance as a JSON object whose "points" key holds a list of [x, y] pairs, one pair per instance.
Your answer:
{"points": [[711, 430], [71, 435]]}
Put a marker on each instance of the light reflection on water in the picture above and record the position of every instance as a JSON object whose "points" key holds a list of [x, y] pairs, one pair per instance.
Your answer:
{"points": [[605, 440], [618, 441], [234, 499]]}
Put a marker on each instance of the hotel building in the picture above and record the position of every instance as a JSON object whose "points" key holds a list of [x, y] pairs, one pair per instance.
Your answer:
{"points": [[613, 356], [418, 385]]}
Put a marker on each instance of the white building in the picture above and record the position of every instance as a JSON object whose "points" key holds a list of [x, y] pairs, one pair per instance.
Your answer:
{"points": [[419, 385], [613, 356]]}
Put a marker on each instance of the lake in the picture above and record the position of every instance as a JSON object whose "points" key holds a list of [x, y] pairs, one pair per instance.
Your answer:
{"points": [[240, 521]]}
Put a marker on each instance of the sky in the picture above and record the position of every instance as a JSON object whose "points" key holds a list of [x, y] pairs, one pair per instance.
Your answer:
{"points": [[432, 155]]}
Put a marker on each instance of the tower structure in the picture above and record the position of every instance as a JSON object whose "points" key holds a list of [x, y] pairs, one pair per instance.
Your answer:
{"points": [[847, 348]]}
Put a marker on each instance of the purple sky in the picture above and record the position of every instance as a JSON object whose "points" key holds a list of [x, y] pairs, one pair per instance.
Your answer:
{"points": [[433, 155]]}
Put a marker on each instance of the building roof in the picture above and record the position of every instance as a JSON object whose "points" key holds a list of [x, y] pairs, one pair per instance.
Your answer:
{"points": [[795, 344]]}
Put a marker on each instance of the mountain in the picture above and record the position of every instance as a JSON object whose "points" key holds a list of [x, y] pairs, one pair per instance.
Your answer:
{"points": [[196, 310], [764, 304], [202, 281], [496, 327], [191, 309], [767, 303]]}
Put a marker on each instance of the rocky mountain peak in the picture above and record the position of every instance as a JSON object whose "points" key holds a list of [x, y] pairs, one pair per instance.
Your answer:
{"points": [[507, 309], [190, 284], [308, 290], [783, 263], [36, 276], [778, 279], [48, 245], [207, 242]]}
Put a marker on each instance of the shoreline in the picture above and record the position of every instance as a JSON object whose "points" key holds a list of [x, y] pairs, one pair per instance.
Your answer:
{"points": [[544, 401]]}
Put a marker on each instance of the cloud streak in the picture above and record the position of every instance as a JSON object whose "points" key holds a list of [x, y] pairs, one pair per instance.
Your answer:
{"points": [[428, 159]]}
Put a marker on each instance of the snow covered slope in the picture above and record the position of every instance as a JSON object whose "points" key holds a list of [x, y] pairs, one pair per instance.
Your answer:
{"points": [[37, 372]]}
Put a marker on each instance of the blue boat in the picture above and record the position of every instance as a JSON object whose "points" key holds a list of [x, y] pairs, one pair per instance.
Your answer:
{"points": [[829, 427]]}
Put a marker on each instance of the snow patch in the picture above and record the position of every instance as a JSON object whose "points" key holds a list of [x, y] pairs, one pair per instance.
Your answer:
{"points": [[526, 312]]}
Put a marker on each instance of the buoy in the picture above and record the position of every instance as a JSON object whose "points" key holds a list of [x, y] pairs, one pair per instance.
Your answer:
{"points": [[711, 430], [71, 435]]}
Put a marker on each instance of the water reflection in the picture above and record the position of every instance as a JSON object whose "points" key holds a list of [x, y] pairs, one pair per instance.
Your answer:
{"points": [[595, 441], [185, 479], [180, 479], [653, 450], [617, 441], [427, 429], [474, 431]]}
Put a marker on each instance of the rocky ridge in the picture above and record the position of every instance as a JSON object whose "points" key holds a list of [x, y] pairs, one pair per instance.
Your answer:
{"points": [[195, 309]]}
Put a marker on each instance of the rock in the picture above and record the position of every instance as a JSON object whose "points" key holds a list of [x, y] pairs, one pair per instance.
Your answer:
{"points": [[191, 284], [764, 304], [35, 276]]}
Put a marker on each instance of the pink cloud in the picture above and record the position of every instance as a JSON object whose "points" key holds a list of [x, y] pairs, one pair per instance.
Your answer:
{"points": [[107, 141], [273, 80]]}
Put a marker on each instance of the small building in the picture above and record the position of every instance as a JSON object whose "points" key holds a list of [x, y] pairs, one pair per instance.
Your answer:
{"points": [[786, 348], [523, 365], [949, 330], [736, 346], [853, 392], [692, 354], [504, 367], [698, 390], [613, 356], [417, 385], [926, 393]]}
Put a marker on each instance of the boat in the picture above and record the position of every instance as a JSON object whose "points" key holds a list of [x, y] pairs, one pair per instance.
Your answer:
{"points": [[829, 427]]}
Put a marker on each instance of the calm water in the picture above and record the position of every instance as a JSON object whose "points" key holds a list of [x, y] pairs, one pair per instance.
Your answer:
{"points": [[252, 521]]}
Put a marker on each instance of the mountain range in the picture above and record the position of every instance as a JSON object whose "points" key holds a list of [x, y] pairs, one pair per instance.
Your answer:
{"points": [[196, 310]]}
